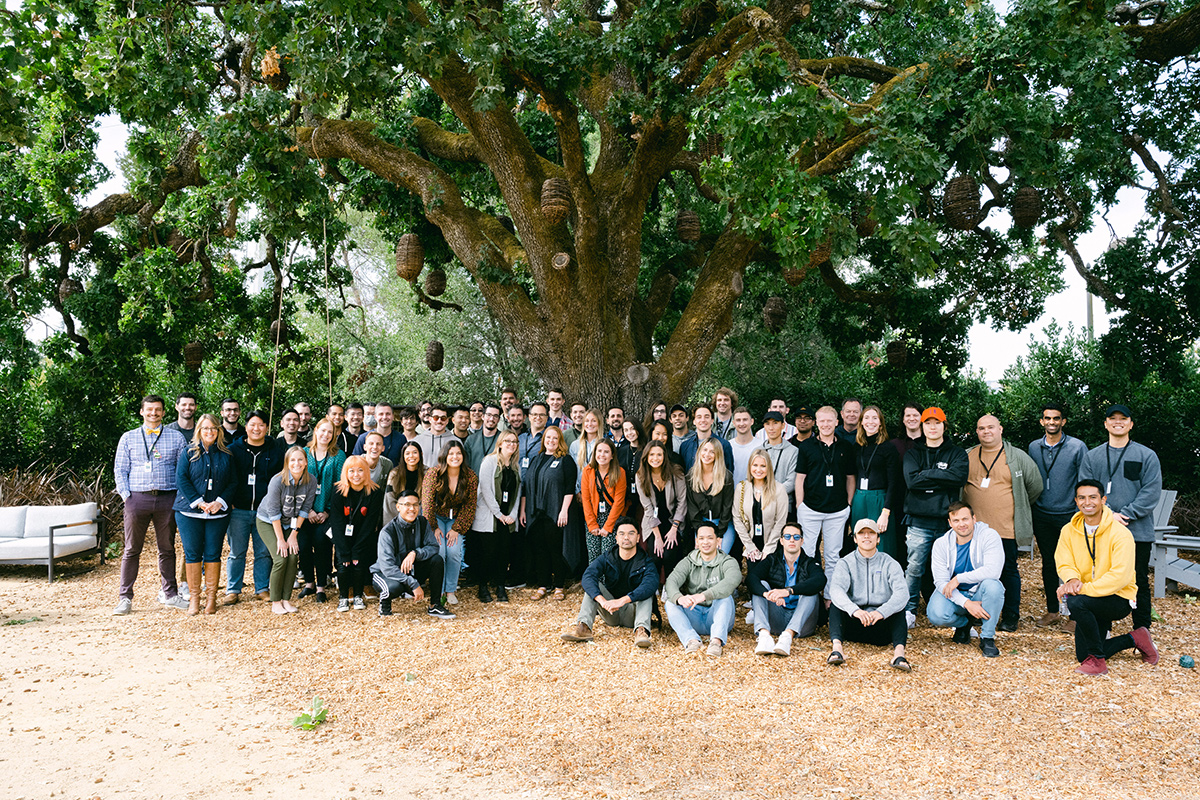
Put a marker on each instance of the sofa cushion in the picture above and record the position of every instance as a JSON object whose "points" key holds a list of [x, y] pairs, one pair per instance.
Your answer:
{"points": [[12, 522], [38, 550], [39, 519]]}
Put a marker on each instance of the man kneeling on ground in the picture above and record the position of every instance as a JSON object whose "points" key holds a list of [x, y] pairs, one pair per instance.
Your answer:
{"points": [[785, 588], [699, 594], [967, 563], [408, 554], [1095, 560], [869, 594], [620, 586]]}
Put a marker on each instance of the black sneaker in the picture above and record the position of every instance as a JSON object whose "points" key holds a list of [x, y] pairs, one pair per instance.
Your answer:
{"points": [[1007, 626], [385, 606], [988, 648], [962, 635], [320, 597], [438, 610], [307, 591], [501, 595]]}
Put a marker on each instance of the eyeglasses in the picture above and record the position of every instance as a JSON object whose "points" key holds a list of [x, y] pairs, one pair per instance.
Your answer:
{"points": [[792, 536], [438, 417], [408, 505]]}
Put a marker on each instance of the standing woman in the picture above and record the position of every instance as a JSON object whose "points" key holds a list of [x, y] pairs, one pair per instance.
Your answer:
{"points": [[760, 508], [407, 476], [660, 431], [879, 482], [355, 513], [582, 448], [636, 439], [603, 489], [496, 514], [663, 494], [549, 487], [710, 492], [316, 550], [381, 466], [448, 496], [205, 478], [286, 505]]}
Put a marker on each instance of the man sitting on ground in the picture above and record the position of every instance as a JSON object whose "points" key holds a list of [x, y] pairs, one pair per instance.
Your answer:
{"points": [[967, 563], [785, 588], [699, 594], [1095, 559], [620, 585], [869, 594], [407, 555]]}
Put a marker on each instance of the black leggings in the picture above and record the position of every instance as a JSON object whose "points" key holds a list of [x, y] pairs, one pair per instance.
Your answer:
{"points": [[490, 553], [546, 552], [891, 630], [316, 552], [1046, 529], [352, 578], [1094, 617]]}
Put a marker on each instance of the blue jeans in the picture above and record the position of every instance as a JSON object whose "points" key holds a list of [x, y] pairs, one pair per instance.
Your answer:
{"points": [[451, 555], [945, 613], [801, 620], [920, 542], [202, 538], [715, 620], [241, 535]]}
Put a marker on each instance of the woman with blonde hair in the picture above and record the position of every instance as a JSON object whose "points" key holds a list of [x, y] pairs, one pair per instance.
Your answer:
{"points": [[496, 514], [710, 492], [603, 490], [325, 462], [205, 477], [355, 513], [549, 487], [284, 508], [760, 508]]}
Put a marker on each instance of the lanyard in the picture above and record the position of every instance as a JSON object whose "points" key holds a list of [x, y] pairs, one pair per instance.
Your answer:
{"points": [[1091, 546], [1108, 460], [832, 455], [350, 514], [253, 471], [864, 470], [1058, 448], [150, 446], [602, 488], [987, 470]]}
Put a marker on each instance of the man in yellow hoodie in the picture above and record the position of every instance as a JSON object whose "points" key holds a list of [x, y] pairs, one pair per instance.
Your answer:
{"points": [[1095, 559]]}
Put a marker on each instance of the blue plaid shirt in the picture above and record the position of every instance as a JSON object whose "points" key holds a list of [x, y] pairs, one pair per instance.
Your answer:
{"points": [[146, 461]]}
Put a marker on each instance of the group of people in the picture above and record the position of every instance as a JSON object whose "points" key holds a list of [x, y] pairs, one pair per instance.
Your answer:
{"points": [[670, 509]]}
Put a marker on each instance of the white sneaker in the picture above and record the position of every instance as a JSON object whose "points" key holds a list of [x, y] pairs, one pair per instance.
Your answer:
{"points": [[750, 618], [359, 605], [451, 599], [177, 602], [911, 618], [784, 646], [124, 606], [183, 592], [715, 648], [747, 604], [766, 645], [344, 604]]}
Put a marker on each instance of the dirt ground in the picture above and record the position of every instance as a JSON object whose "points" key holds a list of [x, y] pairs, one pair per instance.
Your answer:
{"points": [[159, 704]]}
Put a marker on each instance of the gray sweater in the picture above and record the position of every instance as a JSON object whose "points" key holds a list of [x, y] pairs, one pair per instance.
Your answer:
{"points": [[1135, 484], [868, 584], [287, 502], [1059, 468]]}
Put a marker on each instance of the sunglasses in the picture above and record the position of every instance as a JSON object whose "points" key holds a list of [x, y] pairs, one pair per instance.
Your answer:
{"points": [[795, 536]]}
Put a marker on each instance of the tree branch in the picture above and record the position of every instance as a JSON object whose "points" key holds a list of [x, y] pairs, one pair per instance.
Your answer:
{"points": [[1164, 42]]}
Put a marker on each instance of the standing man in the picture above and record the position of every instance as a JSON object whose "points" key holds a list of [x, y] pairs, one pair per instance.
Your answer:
{"points": [[369, 423], [424, 409], [529, 443], [410, 426], [575, 429], [967, 563], [780, 406], [393, 440], [805, 422], [1095, 562], [851, 411], [935, 471], [825, 469], [679, 427], [476, 411], [460, 419], [620, 586], [305, 412], [431, 443], [144, 468], [554, 401], [702, 419], [337, 415], [185, 416], [743, 444], [912, 429], [230, 411], [480, 443], [256, 459], [1132, 480], [508, 399], [724, 402], [289, 424], [1058, 458], [354, 425], [1002, 484], [783, 454], [514, 419]]}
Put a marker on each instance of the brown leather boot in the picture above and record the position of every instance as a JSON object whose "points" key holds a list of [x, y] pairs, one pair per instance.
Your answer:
{"points": [[580, 633], [212, 574], [193, 581]]}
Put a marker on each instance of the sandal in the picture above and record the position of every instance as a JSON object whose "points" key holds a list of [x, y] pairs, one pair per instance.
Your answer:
{"points": [[538, 593], [835, 659], [901, 663], [559, 594]]}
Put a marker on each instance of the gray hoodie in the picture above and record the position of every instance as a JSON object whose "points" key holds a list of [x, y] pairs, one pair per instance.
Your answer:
{"points": [[868, 584]]}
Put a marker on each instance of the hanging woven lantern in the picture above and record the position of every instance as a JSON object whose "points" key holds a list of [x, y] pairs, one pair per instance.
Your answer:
{"points": [[793, 277], [435, 282], [897, 353], [867, 226], [1027, 207], [193, 355], [410, 257], [279, 331], [687, 225], [556, 200], [435, 356], [774, 314], [820, 254], [68, 287], [709, 146], [960, 203], [561, 261], [279, 81]]}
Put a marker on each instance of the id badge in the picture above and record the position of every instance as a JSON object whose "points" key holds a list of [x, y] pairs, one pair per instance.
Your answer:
{"points": [[349, 531], [985, 483], [210, 484], [829, 481], [318, 490], [1109, 489], [758, 532], [251, 479], [148, 467], [657, 516], [862, 484], [554, 463], [525, 463], [603, 507], [504, 497], [295, 523], [451, 513]]}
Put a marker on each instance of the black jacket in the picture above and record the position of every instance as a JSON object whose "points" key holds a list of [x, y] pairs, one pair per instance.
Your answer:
{"points": [[267, 464], [935, 477], [396, 541], [810, 578], [547, 481], [637, 577], [719, 508]]}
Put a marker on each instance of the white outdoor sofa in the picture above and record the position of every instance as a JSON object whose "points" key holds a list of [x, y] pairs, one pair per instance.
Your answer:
{"points": [[45, 534]]}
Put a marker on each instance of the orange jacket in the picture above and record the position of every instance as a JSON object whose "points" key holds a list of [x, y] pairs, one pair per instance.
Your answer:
{"points": [[591, 499]]}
